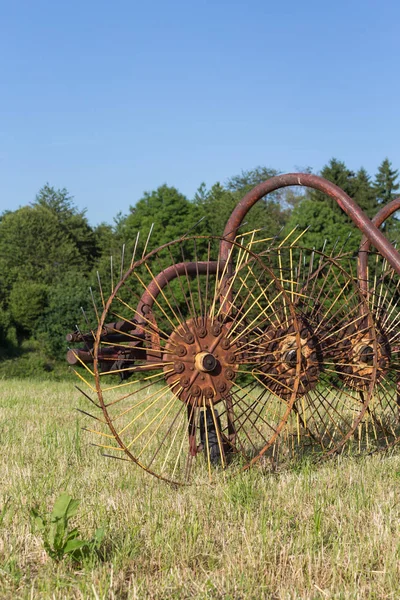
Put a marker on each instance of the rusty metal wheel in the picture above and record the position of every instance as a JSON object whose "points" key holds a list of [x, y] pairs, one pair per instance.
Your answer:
{"points": [[341, 356], [196, 364], [382, 421]]}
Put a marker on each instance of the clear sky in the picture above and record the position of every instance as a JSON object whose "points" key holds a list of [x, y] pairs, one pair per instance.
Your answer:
{"points": [[109, 99]]}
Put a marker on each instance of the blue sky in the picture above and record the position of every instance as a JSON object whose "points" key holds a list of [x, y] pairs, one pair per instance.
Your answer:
{"points": [[109, 99]]}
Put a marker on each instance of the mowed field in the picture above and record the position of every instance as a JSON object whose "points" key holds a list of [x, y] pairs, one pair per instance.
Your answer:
{"points": [[308, 531]]}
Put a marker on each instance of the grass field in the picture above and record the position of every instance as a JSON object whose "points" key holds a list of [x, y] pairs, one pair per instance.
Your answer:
{"points": [[327, 531]]}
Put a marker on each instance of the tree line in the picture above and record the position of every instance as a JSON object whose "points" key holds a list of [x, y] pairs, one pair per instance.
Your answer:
{"points": [[50, 255]]}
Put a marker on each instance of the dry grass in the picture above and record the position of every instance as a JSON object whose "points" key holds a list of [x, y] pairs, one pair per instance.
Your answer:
{"points": [[328, 531]]}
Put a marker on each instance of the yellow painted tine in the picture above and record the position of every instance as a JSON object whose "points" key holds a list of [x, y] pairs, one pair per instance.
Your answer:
{"points": [[120, 385], [84, 380], [146, 409], [83, 364], [142, 431]]}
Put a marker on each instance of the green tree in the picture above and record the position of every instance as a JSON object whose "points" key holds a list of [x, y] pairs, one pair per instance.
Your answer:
{"points": [[28, 300], [72, 222], [169, 211], [218, 203], [337, 172], [8, 334], [325, 226], [104, 235], [33, 247], [364, 192], [215, 206], [165, 212], [386, 182], [42, 246], [247, 180], [63, 313], [386, 189]]}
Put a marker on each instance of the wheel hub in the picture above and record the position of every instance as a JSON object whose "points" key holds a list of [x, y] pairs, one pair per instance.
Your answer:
{"points": [[204, 361], [359, 356], [281, 356]]}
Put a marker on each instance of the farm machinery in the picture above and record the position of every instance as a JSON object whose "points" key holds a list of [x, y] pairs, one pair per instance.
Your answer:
{"points": [[210, 352]]}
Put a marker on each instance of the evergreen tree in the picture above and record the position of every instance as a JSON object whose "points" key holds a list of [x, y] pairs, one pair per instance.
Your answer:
{"points": [[386, 189], [325, 225], [364, 192], [336, 172], [386, 182]]}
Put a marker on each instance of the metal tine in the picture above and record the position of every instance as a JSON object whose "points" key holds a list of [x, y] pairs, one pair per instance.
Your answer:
{"points": [[103, 446], [288, 236], [88, 324], [345, 242], [311, 265], [134, 249], [194, 227], [94, 304], [257, 231], [273, 239], [86, 319], [88, 397], [147, 241], [122, 261], [100, 289], [114, 457], [334, 246], [89, 415], [322, 252], [303, 232], [238, 227], [83, 338]]}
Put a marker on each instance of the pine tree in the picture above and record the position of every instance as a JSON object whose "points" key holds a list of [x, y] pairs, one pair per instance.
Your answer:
{"points": [[364, 192], [386, 182], [386, 188], [336, 172]]}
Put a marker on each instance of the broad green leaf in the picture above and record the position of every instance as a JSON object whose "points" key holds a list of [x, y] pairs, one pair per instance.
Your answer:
{"points": [[72, 509], [73, 545], [60, 526], [64, 507]]}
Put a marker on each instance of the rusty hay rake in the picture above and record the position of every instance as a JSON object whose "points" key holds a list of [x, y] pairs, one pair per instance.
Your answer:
{"points": [[243, 349]]}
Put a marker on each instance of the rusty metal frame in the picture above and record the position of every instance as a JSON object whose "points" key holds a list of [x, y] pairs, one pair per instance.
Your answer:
{"points": [[372, 236], [378, 220], [350, 207]]}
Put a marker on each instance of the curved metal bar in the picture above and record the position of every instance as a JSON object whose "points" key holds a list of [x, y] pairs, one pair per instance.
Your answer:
{"points": [[349, 206], [362, 264], [145, 304], [190, 269]]}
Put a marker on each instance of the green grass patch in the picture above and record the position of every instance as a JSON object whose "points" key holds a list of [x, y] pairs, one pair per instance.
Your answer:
{"points": [[308, 531]]}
